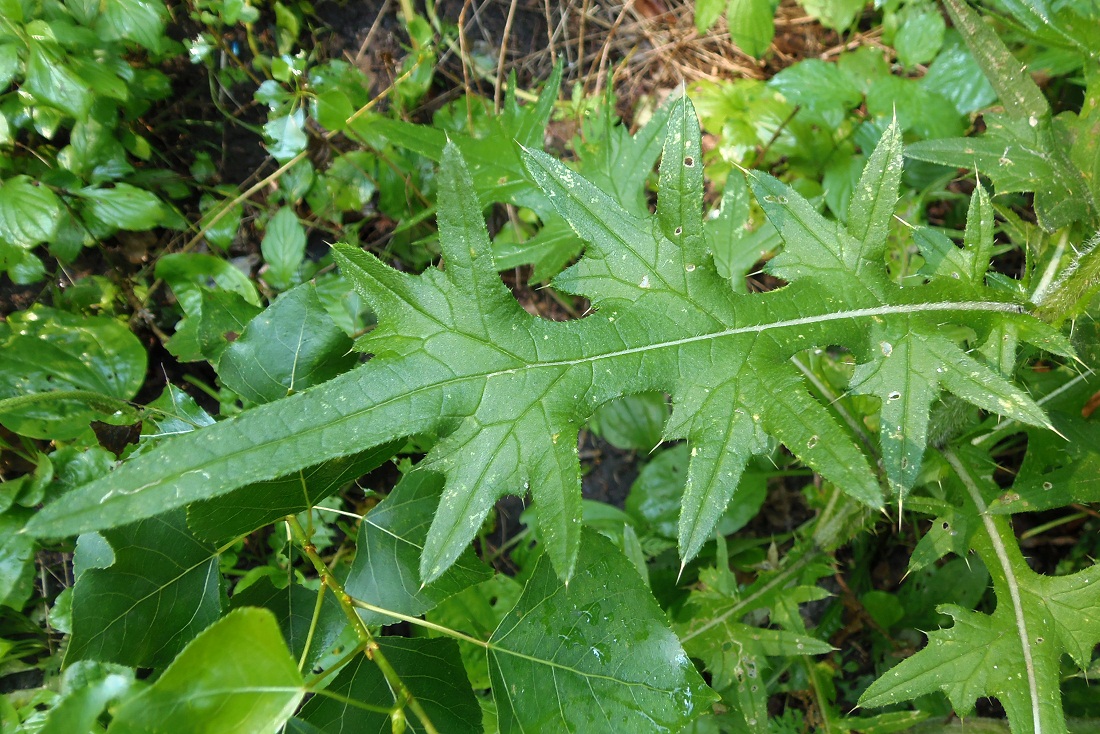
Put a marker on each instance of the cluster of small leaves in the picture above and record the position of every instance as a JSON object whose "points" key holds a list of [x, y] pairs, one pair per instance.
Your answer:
{"points": [[74, 169]]}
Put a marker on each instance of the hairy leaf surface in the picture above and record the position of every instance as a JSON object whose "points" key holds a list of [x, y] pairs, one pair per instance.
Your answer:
{"points": [[456, 355]]}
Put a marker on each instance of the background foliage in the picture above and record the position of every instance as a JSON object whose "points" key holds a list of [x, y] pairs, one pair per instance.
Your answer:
{"points": [[792, 376]]}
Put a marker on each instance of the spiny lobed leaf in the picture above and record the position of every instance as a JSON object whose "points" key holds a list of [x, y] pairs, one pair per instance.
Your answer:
{"points": [[457, 356], [1013, 654]]}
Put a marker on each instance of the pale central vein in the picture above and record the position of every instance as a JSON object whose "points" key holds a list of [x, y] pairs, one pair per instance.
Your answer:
{"points": [[1010, 580]]}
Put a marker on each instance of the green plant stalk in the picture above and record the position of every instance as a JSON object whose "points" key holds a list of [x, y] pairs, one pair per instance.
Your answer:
{"points": [[312, 627], [1000, 535], [402, 695]]}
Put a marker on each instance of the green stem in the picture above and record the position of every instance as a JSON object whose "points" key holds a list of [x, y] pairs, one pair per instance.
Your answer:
{"points": [[998, 530], [312, 627], [420, 623], [401, 693]]}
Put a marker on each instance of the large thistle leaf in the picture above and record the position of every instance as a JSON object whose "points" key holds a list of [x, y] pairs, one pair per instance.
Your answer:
{"points": [[507, 392]]}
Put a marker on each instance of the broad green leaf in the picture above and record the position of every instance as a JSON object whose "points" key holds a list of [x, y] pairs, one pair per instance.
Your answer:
{"points": [[956, 76], [1015, 87], [50, 81], [920, 36], [294, 608], [633, 422], [29, 212], [819, 88], [918, 109], [87, 688], [53, 351], [751, 24], [9, 63], [283, 247], [289, 347], [139, 613], [385, 571], [140, 21], [332, 108], [350, 182], [124, 206], [188, 273], [596, 655], [432, 670], [16, 560], [839, 15], [455, 356], [220, 320], [221, 218], [237, 676]]}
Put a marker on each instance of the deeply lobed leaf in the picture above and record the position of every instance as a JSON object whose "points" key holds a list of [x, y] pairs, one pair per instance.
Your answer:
{"points": [[455, 355]]}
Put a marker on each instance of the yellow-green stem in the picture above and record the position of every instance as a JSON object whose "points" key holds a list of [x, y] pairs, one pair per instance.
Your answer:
{"points": [[401, 693]]}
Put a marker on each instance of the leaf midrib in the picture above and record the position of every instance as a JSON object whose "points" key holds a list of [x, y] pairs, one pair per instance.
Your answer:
{"points": [[222, 458]]}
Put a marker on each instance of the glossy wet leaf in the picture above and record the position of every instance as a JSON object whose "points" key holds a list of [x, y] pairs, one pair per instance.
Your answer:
{"points": [[594, 656], [47, 350], [430, 667], [124, 206], [237, 676], [289, 347], [140, 613], [454, 354], [294, 608], [140, 21], [287, 135], [385, 572], [283, 246], [1015, 87], [29, 213], [51, 81], [16, 560]]}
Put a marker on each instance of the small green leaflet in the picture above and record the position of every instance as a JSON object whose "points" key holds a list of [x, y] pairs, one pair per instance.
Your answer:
{"points": [[456, 355], [1015, 653]]}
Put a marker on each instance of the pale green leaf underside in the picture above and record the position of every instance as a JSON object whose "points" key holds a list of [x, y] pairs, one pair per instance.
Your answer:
{"points": [[455, 354]]}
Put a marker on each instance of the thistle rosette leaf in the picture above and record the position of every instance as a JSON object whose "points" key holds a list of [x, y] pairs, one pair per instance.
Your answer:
{"points": [[455, 355]]}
